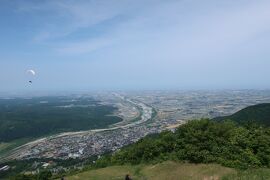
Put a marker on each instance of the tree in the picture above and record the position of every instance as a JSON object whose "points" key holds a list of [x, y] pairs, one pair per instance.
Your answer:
{"points": [[44, 175]]}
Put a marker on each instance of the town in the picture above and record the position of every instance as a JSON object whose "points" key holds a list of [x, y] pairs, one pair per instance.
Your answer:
{"points": [[143, 113]]}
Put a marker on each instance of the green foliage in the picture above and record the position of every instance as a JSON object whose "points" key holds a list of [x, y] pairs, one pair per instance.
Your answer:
{"points": [[201, 141], [16, 168], [250, 174], [259, 114], [44, 175], [24, 177], [27, 118]]}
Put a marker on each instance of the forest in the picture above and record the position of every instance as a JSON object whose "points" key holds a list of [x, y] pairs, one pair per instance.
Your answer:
{"points": [[36, 117]]}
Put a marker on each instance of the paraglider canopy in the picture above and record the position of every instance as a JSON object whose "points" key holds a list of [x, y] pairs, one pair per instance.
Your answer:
{"points": [[30, 73]]}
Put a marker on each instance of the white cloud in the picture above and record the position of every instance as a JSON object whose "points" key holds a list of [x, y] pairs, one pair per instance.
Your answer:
{"points": [[178, 28], [68, 16]]}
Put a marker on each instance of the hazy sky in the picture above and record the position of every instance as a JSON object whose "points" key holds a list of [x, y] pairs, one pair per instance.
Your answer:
{"points": [[134, 44]]}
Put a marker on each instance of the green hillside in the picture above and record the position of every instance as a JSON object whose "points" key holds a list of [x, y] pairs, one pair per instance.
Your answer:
{"points": [[258, 113], [166, 170]]}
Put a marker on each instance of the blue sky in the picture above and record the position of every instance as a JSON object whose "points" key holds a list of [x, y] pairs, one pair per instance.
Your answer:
{"points": [[134, 45]]}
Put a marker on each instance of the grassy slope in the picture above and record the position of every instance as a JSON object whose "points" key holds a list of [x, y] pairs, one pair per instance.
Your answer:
{"points": [[172, 171], [166, 170], [259, 113]]}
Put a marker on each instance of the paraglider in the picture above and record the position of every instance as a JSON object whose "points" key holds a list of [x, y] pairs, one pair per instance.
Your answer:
{"points": [[31, 73]]}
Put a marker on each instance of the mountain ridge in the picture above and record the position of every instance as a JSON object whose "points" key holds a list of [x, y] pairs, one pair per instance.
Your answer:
{"points": [[259, 113]]}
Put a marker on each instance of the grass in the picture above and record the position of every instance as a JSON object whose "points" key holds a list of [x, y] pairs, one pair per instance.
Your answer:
{"points": [[6, 147], [3, 146], [113, 173], [172, 170], [166, 170], [252, 174]]}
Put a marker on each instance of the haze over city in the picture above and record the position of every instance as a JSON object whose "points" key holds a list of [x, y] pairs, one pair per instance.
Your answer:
{"points": [[134, 45]]}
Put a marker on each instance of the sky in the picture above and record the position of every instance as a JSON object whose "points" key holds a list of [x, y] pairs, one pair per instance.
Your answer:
{"points": [[134, 45]]}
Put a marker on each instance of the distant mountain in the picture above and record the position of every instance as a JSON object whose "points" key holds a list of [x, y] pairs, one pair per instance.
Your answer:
{"points": [[258, 113]]}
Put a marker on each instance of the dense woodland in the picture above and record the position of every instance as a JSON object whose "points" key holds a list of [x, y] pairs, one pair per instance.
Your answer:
{"points": [[28, 118], [259, 114]]}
